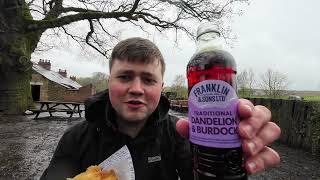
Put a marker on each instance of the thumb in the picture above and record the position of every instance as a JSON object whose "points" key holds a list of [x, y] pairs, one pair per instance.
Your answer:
{"points": [[182, 127]]}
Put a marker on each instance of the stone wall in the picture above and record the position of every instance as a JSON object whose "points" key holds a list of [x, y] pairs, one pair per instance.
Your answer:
{"points": [[79, 95], [299, 122], [49, 90], [56, 91]]}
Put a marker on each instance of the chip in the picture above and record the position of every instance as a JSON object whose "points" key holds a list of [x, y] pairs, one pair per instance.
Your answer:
{"points": [[95, 173]]}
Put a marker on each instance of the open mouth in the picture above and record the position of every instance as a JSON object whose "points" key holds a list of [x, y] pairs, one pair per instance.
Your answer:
{"points": [[135, 102]]}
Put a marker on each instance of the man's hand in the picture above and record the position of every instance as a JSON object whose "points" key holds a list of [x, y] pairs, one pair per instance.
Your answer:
{"points": [[256, 131]]}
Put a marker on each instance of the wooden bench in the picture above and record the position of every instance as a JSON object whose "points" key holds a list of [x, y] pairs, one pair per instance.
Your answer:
{"points": [[50, 111], [55, 106], [179, 105]]}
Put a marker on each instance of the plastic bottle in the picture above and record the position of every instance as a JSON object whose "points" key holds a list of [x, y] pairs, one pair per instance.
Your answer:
{"points": [[212, 103]]}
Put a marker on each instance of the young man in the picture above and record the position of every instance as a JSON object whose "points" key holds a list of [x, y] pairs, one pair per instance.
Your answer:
{"points": [[133, 113]]}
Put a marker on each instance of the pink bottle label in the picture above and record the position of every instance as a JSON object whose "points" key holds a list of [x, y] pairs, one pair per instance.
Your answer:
{"points": [[213, 115]]}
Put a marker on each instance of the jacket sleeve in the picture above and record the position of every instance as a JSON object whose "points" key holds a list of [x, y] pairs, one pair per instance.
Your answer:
{"points": [[182, 155], [64, 163]]}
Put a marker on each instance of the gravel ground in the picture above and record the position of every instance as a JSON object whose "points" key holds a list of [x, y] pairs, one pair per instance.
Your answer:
{"points": [[27, 146]]}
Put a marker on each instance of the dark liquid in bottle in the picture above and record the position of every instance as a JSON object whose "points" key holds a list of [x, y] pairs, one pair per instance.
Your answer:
{"points": [[215, 163]]}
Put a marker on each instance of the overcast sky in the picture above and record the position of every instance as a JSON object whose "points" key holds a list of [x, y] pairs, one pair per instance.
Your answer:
{"points": [[281, 35]]}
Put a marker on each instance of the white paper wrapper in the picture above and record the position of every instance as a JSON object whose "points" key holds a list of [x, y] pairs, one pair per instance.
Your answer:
{"points": [[121, 163]]}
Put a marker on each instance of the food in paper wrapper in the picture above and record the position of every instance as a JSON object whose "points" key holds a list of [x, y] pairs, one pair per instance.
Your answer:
{"points": [[95, 173], [118, 166], [121, 162]]}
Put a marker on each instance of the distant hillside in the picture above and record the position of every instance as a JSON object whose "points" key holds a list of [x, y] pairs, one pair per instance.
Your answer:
{"points": [[304, 93], [260, 92]]}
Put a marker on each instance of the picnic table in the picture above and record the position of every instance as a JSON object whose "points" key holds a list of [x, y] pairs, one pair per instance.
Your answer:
{"points": [[58, 106]]}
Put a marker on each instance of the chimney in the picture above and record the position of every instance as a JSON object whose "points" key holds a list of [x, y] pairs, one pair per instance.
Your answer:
{"points": [[63, 72], [45, 64], [73, 78]]}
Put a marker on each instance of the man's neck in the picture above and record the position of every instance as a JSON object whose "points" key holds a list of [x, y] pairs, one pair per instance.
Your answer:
{"points": [[130, 129]]}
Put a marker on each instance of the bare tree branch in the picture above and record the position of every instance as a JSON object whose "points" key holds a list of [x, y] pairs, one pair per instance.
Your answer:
{"points": [[245, 82], [89, 36], [274, 83], [30, 3], [135, 6], [36, 25], [159, 14], [35, 10], [74, 9], [55, 7], [78, 39]]}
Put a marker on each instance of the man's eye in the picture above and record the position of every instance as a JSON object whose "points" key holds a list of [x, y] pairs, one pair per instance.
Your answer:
{"points": [[149, 81], [124, 77]]}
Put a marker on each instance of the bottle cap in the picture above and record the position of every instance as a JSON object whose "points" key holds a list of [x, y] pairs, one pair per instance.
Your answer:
{"points": [[207, 27]]}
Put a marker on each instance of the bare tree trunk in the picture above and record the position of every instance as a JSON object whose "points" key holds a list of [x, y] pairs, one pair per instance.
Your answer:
{"points": [[15, 94], [16, 46]]}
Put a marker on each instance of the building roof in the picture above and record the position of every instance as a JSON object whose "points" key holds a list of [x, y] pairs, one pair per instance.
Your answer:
{"points": [[56, 77]]}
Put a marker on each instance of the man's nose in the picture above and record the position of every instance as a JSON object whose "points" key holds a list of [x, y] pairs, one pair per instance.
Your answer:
{"points": [[136, 87]]}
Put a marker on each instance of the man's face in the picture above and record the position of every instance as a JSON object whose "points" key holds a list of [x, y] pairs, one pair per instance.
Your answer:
{"points": [[135, 89]]}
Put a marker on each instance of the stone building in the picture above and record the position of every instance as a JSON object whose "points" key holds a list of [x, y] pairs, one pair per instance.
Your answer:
{"points": [[47, 85]]}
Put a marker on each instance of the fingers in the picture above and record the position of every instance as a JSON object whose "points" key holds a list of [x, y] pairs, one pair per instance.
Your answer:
{"points": [[245, 108], [269, 133], [182, 127], [266, 158], [249, 126], [257, 132]]}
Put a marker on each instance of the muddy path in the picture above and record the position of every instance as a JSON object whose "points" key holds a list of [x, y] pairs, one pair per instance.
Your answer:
{"points": [[27, 146]]}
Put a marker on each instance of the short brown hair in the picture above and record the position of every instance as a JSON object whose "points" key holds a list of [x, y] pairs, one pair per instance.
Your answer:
{"points": [[137, 50]]}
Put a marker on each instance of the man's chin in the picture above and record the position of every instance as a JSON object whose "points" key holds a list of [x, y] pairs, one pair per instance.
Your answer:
{"points": [[135, 119]]}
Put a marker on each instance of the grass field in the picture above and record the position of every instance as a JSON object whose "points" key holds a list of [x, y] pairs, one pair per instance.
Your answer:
{"points": [[312, 98]]}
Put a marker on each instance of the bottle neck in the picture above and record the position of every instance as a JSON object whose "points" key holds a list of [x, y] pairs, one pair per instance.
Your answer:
{"points": [[209, 41]]}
